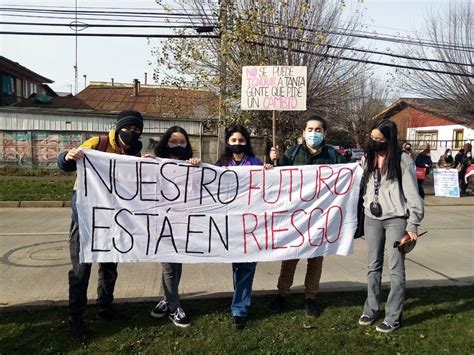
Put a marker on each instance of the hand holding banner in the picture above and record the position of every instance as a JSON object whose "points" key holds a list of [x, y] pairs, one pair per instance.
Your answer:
{"points": [[137, 209]]}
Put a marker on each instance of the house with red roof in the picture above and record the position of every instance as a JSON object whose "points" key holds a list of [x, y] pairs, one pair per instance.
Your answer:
{"points": [[433, 121]]}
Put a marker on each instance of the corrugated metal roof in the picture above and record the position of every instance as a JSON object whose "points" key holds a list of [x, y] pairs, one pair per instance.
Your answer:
{"points": [[152, 100], [17, 119]]}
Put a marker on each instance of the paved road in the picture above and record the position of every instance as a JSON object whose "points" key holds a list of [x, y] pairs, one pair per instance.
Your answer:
{"points": [[35, 260]]}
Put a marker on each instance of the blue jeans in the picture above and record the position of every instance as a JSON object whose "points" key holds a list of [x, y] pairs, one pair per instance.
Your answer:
{"points": [[243, 274]]}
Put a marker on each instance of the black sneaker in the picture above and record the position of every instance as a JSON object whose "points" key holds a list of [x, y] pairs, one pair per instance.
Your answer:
{"points": [[77, 328], [239, 322], [108, 314], [367, 320], [179, 318], [386, 327], [276, 303], [311, 307], [161, 309]]}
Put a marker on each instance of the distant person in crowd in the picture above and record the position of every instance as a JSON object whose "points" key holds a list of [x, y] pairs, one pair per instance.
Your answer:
{"points": [[312, 151], [407, 149], [347, 155], [392, 206], [423, 160], [238, 152], [462, 160], [446, 161], [124, 139], [174, 144]]}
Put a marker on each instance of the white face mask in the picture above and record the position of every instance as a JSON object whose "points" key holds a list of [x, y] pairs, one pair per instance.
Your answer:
{"points": [[468, 154], [448, 154]]}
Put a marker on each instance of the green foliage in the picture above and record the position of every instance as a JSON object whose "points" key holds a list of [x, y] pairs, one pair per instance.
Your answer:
{"points": [[437, 320], [263, 32]]}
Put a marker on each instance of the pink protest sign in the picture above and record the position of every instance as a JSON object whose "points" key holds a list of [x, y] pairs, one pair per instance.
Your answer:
{"points": [[274, 88]]}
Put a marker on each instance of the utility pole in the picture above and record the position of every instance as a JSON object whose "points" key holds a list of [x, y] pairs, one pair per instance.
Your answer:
{"points": [[76, 70], [223, 20]]}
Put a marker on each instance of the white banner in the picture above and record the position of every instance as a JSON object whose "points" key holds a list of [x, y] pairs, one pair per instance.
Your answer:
{"points": [[279, 88], [446, 183], [138, 209]]}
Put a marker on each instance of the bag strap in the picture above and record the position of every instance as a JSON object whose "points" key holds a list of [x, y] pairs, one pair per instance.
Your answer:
{"points": [[332, 155], [292, 152], [103, 143]]}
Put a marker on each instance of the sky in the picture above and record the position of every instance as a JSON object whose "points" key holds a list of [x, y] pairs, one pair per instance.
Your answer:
{"points": [[125, 59]]}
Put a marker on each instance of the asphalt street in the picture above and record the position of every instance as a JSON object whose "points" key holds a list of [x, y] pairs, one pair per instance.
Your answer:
{"points": [[35, 261]]}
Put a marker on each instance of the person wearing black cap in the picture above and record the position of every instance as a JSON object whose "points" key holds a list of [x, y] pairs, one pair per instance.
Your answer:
{"points": [[124, 139]]}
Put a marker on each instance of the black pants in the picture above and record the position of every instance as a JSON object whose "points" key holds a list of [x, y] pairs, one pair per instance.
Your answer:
{"points": [[79, 278], [420, 189]]}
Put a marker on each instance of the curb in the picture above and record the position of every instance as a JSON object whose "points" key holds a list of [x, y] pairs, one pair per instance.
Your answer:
{"points": [[34, 204], [429, 201]]}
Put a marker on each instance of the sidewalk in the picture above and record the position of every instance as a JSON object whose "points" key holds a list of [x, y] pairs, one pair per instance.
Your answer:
{"points": [[430, 200], [34, 262]]}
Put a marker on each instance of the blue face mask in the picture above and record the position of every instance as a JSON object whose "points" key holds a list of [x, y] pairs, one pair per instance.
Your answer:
{"points": [[314, 139]]}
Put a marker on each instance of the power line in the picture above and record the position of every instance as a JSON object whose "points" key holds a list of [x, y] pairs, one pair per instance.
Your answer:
{"points": [[359, 60], [186, 17], [106, 13], [142, 35], [96, 25], [330, 46], [96, 7], [158, 20], [384, 38]]}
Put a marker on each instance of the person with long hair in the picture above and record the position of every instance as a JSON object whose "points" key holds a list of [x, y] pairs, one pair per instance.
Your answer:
{"points": [[446, 161], [392, 207], [238, 152], [174, 144]]}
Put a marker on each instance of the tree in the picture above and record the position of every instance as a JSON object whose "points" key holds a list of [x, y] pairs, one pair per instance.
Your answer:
{"points": [[450, 42], [313, 33], [365, 98]]}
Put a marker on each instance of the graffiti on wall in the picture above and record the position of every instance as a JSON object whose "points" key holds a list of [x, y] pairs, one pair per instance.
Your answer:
{"points": [[36, 147]]}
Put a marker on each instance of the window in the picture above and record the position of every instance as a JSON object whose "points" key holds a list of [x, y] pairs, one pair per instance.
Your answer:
{"points": [[458, 136], [430, 137]]}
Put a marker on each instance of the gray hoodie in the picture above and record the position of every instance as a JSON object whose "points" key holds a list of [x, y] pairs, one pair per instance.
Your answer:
{"points": [[394, 201]]}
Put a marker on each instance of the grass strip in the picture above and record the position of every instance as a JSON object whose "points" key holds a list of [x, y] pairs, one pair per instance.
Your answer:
{"points": [[36, 188], [436, 320]]}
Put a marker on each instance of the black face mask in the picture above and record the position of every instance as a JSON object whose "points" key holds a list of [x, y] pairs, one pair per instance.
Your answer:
{"points": [[134, 149], [377, 146], [237, 148], [129, 138], [178, 152]]}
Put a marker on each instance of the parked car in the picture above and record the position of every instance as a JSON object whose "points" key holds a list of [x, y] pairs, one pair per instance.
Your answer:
{"points": [[357, 154], [338, 148]]}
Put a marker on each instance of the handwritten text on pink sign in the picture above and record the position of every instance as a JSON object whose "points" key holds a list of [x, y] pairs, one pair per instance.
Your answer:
{"points": [[279, 88]]}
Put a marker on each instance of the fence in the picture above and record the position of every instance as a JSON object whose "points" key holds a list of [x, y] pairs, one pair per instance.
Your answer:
{"points": [[438, 147]]}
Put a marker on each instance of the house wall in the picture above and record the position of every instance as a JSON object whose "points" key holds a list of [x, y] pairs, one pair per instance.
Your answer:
{"points": [[444, 134], [18, 89], [411, 117]]}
